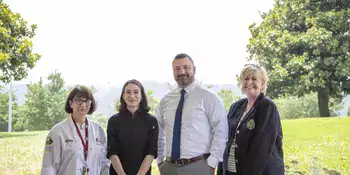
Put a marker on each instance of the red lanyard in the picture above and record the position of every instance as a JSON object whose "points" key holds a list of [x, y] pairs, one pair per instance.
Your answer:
{"points": [[86, 145]]}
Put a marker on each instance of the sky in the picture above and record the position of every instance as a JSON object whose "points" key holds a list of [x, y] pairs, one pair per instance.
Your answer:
{"points": [[111, 41]]}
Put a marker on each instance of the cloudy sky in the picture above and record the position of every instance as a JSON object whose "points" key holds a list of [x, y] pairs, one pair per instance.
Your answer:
{"points": [[111, 41]]}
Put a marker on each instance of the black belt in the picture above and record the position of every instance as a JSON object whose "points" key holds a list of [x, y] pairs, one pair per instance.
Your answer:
{"points": [[186, 161]]}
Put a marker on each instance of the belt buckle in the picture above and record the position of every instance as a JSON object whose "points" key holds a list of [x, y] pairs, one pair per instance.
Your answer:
{"points": [[185, 161], [182, 162]]}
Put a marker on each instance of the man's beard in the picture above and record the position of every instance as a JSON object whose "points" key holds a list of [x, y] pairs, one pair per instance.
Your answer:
{"points": [[184, 79]]}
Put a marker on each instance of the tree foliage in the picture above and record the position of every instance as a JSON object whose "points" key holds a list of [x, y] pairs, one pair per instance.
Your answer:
{"points": [[16, 55], [44, 104], [292, 107], [305, 46], [99, 118], [152, 101], [226, 98]]}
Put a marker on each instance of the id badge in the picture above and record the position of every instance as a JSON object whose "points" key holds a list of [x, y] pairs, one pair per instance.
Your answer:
{"points": [[85, 171]]}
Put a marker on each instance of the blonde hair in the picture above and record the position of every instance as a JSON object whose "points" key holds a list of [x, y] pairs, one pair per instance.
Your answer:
{"points": [[254, 69]]}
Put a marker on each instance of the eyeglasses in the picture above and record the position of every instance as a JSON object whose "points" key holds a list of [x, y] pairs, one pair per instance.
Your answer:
{"points": [[80, 101]]}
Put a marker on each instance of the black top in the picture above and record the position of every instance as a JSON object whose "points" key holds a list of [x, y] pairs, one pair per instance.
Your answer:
{"points": [[257, 139], [132, 138]]}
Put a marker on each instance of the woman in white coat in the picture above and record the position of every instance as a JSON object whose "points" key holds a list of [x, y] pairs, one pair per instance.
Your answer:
{"points": [[76, 146]]}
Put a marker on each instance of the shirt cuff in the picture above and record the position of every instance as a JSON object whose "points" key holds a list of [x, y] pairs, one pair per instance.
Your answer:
{"points": [[160, 159], [212, 161]]}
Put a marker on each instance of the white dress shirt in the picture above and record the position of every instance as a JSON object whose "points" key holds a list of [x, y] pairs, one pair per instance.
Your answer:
{"points": [[64, 152], [204, 126]]}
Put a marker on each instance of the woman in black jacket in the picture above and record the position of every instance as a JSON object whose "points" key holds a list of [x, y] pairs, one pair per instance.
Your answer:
{"points": [[132, 134], [254, 144]]}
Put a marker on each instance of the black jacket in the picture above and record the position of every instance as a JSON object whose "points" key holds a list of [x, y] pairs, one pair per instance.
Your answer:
{"points": [[258, 139], [132, 138]]}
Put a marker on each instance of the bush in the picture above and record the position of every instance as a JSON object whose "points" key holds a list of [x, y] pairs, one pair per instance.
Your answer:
{"points": [[303, 107]]}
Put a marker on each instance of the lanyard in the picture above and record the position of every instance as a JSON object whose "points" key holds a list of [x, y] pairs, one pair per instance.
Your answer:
{"points": [[86, 145]]}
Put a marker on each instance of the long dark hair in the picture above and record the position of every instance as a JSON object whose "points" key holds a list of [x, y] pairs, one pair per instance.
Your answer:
{"points": [[143, 107]]}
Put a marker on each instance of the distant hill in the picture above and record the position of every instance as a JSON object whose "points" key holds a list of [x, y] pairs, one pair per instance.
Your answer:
{"points": [[106, 95]]}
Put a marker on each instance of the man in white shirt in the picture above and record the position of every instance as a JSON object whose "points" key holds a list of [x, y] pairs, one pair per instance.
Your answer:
{"points": [[193, 125]]}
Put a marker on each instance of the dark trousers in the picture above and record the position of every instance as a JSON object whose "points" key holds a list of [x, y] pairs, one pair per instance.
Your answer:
{"points": [[230, 173]]}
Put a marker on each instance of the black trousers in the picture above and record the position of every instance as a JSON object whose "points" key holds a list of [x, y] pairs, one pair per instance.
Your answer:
{"points": [[230, 173]]}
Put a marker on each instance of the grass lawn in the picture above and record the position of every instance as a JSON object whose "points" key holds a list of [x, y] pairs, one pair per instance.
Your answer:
{"points": [[310, 146], [327, 140]]}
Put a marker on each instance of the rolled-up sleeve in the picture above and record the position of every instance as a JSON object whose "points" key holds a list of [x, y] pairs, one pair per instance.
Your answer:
{"points": [[52, 154], [112, 138], [152, 145]]}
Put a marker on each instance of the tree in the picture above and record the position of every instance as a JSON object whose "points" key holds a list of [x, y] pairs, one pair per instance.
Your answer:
{"points": [[16, 56], [305, 46], [152, 101], [34, 111], [99, 118], [57, 97], [117, 104], [4, 109], [44, 104], [226, 97], [292, 107]]}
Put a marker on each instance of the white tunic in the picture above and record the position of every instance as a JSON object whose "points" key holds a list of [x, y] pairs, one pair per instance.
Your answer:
{"points": [[64, 152]]}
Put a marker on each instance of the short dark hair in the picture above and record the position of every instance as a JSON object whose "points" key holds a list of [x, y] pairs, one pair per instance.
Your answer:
{"points": [[80, 91], [182, 56], [143, 107]]}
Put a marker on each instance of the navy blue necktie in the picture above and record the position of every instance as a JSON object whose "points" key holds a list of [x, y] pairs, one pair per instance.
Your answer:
{"points": [[175, 150]]}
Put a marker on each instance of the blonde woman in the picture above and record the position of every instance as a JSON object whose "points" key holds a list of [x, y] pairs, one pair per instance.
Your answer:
{"points": [[255, 133]]}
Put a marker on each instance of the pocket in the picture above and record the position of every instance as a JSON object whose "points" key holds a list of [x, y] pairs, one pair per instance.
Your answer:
{"points": [[161, 168], [197, 113], [100, 151], [70, 147], [203, 166]]}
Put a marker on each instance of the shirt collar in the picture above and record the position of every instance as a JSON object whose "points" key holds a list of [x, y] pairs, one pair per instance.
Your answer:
{"points": [[189, 88], [80, 127]]}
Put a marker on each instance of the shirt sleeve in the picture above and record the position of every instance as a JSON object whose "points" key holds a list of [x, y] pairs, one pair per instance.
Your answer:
{"points": [[161, 135], [263, 141], [112, 138], [152, 145], [218, 121], [52, 153], [105, 163]]}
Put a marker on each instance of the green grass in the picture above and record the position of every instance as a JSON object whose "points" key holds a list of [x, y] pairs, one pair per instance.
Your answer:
{"points": [[327, 139], [21, 153]]}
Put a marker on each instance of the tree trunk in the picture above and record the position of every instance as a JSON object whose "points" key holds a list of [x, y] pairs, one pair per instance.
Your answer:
{"points": [[323, 102]]}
